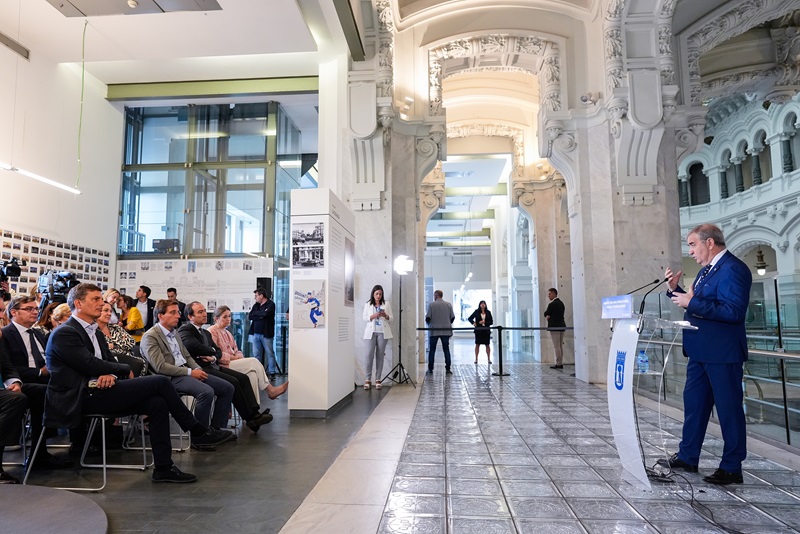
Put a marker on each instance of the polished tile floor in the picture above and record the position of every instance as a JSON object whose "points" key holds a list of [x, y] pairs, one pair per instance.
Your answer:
{"points": [[468, 452], [533, 453]]}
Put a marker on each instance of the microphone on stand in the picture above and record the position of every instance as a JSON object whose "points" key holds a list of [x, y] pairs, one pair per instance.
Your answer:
{"points": [[658, 283], [644, 286]]}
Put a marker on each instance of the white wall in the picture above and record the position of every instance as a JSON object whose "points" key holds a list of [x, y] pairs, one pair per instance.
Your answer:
{"points": [[39, 119]]}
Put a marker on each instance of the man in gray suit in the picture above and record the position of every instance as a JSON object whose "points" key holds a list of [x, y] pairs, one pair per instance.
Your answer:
{"points": [[166, 354], [440, 318]]}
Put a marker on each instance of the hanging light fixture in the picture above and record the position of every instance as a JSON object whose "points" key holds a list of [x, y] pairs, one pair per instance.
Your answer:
{"points": [[24, 53], [761, 265]]}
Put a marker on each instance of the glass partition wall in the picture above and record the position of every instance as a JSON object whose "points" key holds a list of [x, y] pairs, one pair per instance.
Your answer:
{"points": [[212, 180]]}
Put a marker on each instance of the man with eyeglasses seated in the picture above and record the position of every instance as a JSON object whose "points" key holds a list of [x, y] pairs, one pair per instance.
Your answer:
{"points": [[202, 348], [85, 379], [24, 347]]}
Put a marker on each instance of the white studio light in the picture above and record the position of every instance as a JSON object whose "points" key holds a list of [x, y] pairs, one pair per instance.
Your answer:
{"points": [[403, 265]]}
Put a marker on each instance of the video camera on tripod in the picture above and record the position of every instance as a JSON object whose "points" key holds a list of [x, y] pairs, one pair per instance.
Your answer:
{"points": [[8, 269], [54, 286]]}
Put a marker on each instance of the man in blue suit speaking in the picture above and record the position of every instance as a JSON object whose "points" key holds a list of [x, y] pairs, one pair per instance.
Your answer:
{"points": [[716, 304]]}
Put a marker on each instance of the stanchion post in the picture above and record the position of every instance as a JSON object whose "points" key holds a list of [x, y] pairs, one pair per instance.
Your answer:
{"points": [[500, 352]]}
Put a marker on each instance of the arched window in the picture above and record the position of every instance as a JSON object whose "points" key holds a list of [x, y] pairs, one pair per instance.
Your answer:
{"points": [[698, 186]]}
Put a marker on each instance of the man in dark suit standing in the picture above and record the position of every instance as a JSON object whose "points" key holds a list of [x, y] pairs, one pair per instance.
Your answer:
{"points": [[203, 349], [145, 306], [556, 325], [716, 304], [24, 348], [85, 379], [172, 294]]}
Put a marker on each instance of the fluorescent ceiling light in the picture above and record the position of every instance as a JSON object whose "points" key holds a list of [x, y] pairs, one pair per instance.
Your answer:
{"points": [[205, 135], [290, 163], [48, 181]]}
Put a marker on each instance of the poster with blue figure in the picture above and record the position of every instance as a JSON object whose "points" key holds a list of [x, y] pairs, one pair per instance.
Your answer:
{"points": [[309, 304]]}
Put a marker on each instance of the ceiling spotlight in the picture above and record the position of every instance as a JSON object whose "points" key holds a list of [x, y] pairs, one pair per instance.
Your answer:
{"points": [[133, 4]]}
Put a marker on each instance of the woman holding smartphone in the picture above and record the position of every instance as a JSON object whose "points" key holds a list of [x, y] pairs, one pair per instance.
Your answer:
{"points": [[377, 313]]}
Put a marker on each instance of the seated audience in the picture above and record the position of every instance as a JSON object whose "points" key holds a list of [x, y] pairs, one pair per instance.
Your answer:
{"points": [[200, 345], [233, 358], [24, 348], [164, 351], [76, 355], [45, 323], [61, 315], [112, 296], [172, 294], [120, 343], [130, 317], [12, 407]]}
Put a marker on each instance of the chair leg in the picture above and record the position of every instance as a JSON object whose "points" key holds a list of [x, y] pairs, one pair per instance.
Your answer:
{"points": [[134, 420], [33, 458], [105, 465]]}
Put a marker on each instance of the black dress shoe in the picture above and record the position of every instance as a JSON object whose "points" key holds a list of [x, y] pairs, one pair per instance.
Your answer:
{"points": [[556, 367], [676, 463], [266, 411], [5, 478], [261, 419], [448, 372], [48, 461], [173, 474], [429, 372], [723, 478]]}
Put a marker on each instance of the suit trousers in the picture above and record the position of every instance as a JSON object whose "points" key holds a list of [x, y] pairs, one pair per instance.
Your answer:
{"points": [[243, 399], [707, 385], [36, 394], [204, 393], [558, 343], [12, 407], [432, 351], [153, 396]]}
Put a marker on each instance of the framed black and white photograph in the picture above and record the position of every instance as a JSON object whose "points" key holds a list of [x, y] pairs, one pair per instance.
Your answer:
{"points": [[308, 257]]}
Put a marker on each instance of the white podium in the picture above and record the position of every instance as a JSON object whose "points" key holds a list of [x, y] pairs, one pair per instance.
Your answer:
{"points": [[622, 358]]}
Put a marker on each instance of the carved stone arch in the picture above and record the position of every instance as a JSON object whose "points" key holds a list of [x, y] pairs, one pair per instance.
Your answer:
{"points": [[701, 158], [495, 130], [724, 155], [730, 20], [744, 239], [789, 121], [544, 50], [741, 146], [757, 128]]}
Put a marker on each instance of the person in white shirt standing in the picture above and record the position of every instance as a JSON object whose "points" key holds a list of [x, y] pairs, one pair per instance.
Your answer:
{"points": [[377, 333]]}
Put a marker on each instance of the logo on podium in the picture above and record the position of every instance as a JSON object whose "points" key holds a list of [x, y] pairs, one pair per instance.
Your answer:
{"points": [[619, 372]]}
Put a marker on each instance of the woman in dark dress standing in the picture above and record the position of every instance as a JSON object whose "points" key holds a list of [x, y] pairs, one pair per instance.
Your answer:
{"points": [[482, 317]]}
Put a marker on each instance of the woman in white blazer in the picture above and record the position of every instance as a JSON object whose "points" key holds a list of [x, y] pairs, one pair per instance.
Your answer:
{"points": [[377, 313]]}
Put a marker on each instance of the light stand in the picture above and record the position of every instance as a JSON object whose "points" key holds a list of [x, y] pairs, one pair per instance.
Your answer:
{"points": [[398, 374]]}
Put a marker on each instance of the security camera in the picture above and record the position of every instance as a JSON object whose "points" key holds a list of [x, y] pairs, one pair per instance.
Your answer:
{"points": [[590, 98]]}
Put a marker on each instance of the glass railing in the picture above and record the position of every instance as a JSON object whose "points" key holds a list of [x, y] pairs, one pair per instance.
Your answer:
{"points": [[771, 382]]}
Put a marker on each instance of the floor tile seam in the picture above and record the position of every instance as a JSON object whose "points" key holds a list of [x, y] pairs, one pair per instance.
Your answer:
{"points": [[494, 465]]}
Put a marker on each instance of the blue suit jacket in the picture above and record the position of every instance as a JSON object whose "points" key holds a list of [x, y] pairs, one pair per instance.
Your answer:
{"points": [[71, 360], [718, 309]]}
